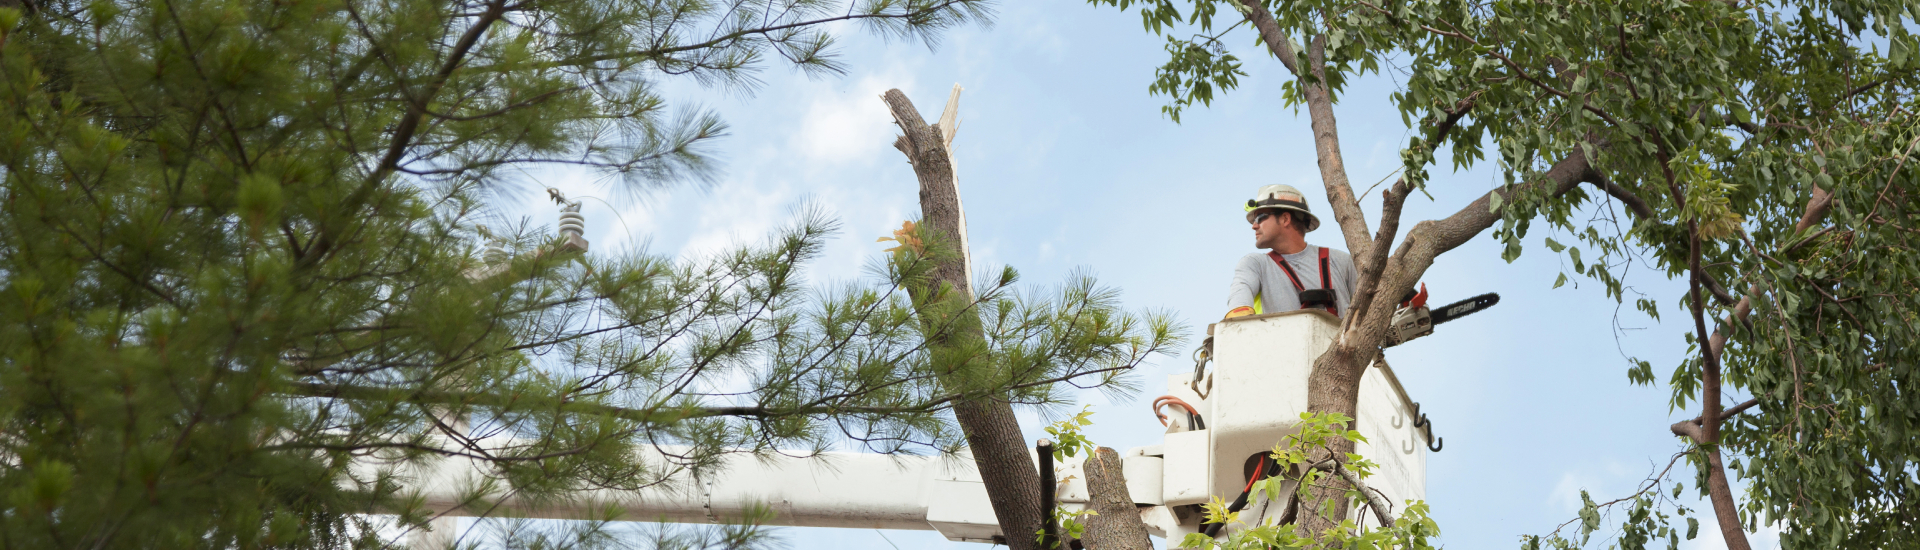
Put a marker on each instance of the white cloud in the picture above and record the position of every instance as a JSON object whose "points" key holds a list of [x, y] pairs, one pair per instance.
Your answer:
{"points": [[849, 124], [746, 212]]}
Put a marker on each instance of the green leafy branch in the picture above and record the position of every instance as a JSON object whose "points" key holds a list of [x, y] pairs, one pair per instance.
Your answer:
{"points": [[1306, 459], [1067, 439]]}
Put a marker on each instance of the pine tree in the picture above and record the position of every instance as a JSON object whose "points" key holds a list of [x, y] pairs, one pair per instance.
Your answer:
{"points": [[243, 254]]}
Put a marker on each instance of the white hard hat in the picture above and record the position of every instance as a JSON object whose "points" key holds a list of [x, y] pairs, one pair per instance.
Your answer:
{"points": [[1281, 197]]}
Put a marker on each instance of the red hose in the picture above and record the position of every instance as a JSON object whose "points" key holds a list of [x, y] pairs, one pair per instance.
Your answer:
{"points": [[1165, 400], [1258, 470]]}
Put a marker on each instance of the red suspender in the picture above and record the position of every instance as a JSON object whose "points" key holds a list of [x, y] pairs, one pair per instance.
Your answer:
{"points": [[1326, 276], [1282, 262], [1325, 281]]}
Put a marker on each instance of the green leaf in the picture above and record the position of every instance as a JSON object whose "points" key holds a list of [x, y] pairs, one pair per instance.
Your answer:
{"points": [[1198, 540], [1560, 281]]}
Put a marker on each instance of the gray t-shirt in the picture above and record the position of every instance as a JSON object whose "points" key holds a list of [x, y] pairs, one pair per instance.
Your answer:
{"points": [[1257, 275]]}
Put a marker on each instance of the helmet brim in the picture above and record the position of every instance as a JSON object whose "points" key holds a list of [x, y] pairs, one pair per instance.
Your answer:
{"points": [[1313, 222]]}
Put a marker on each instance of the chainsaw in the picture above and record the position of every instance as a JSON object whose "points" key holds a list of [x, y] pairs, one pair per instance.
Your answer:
{"points": [[1414, 319]]}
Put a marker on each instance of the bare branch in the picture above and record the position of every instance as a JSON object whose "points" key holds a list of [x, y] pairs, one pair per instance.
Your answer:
{"points": [[1392, 203]]}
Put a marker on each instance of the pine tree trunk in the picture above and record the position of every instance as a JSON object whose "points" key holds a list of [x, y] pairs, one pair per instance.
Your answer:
{"points": [[1116, 524], [999, 450]]}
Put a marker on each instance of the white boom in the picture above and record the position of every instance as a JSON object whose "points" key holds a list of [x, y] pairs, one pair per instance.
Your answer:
{"points": [[1258, 390]]}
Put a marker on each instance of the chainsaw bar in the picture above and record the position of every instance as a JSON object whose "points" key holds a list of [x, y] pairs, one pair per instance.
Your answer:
{"points": [[1465, 307]]}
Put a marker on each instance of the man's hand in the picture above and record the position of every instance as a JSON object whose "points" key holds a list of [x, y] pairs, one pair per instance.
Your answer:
{"points": [[1241, 311]]}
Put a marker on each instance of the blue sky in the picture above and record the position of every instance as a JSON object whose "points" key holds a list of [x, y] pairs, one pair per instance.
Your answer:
{"points": [[1066, 163]]}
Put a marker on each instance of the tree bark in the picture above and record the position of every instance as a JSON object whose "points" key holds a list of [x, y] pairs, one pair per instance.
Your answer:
{"points": [[1718, 490], [1116, 524], [1706, 430], [999, 451], [1333, 167]]}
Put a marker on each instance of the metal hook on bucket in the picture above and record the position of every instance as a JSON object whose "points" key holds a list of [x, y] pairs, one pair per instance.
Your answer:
{"points": [[1425, 426]]}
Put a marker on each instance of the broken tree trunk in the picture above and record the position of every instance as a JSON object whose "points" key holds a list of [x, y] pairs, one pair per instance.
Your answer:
{"points": [[1116, 523], [993, 433]]}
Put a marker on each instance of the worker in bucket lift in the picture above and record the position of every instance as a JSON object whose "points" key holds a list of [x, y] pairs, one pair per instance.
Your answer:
{"points": [[1290, 274]]}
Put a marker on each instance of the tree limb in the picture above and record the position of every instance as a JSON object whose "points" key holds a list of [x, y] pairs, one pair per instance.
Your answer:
{"points": [[1333, 164], [1270, 33], [1719, 490], [1691, 428], [1392, 204], [1706, 433], [1430, 238], [1626, 196], [1713, 287]]}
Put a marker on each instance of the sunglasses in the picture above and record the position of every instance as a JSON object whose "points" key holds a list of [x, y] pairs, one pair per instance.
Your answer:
{"points": [[1262, 217]]}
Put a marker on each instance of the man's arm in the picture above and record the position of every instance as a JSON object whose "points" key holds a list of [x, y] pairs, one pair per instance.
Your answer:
{"points": [[1244, 289]]}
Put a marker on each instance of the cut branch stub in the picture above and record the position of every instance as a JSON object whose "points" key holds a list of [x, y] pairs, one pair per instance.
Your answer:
{"points": [[1116, 523]]}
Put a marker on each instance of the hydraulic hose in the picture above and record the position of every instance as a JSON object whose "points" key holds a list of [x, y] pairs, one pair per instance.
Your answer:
{"points": [[1267, 468], [1194, 422]]}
